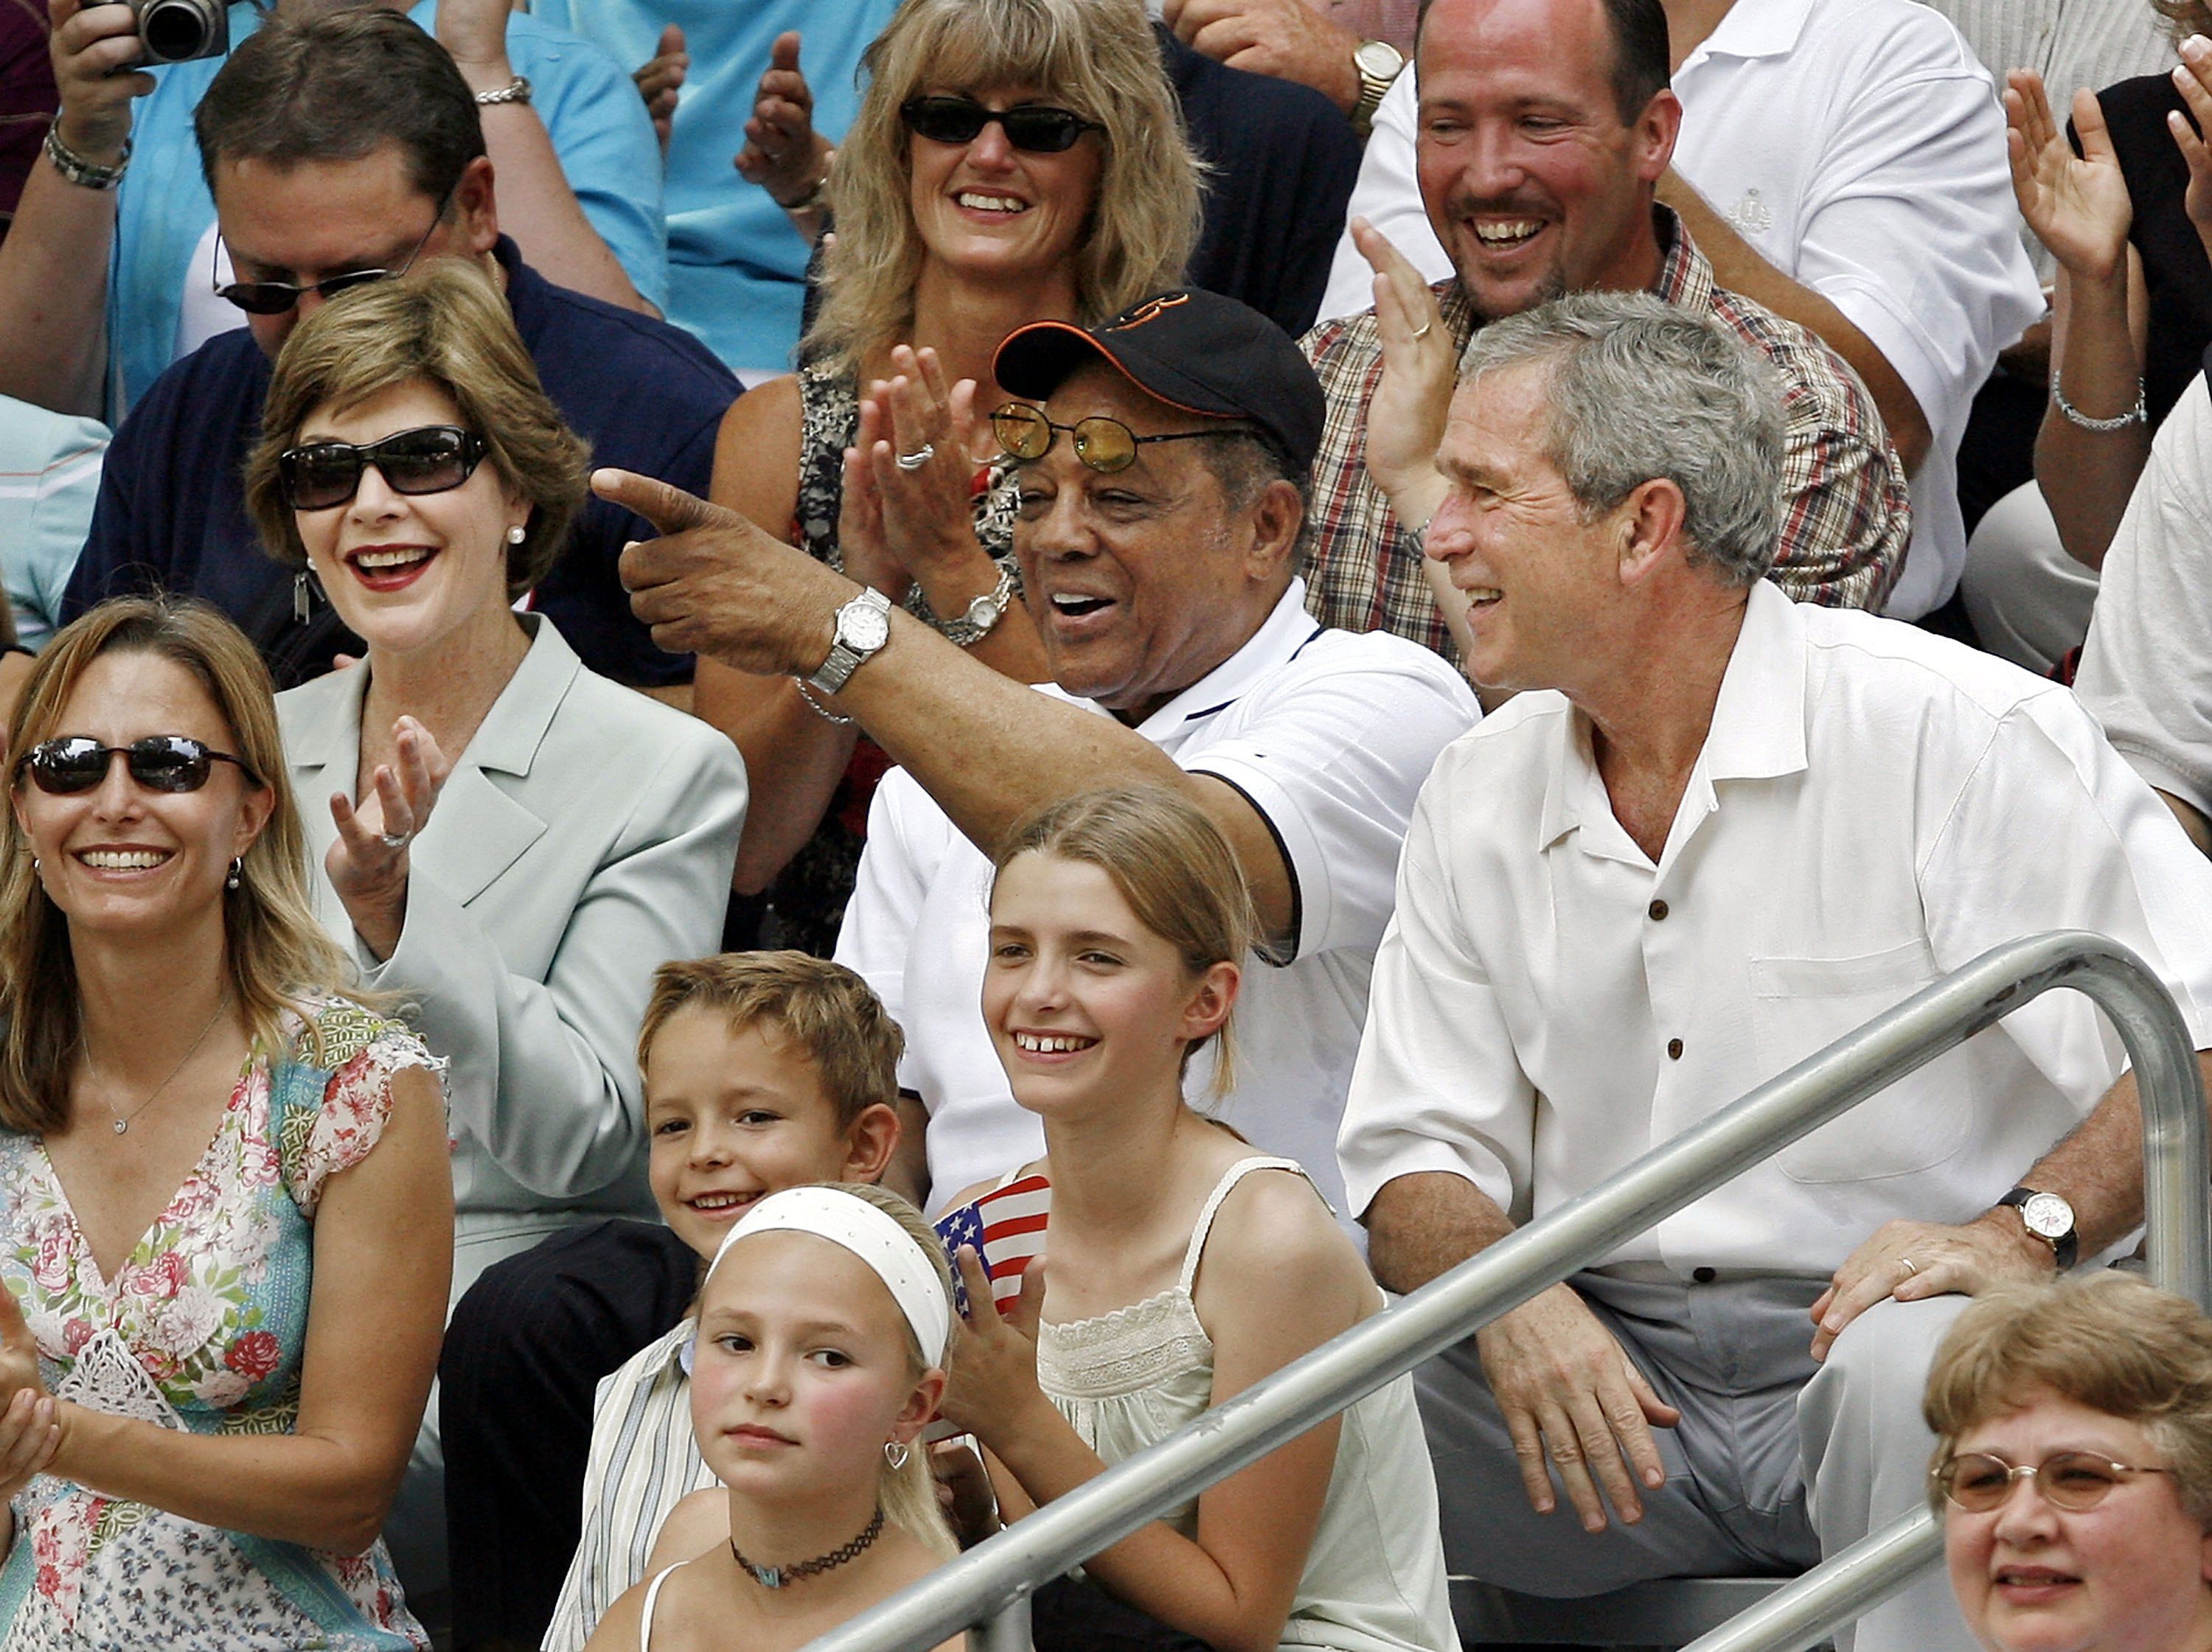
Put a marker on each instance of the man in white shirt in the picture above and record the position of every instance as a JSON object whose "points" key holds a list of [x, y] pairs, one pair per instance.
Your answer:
{"points": [[1843, 162], [2149, 653], [1161, 515], [1715, 832]]}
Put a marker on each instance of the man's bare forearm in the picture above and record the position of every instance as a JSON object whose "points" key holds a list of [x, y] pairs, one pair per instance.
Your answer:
{"points": [[53, 288], [1426, 1223], [2099, 1168]]}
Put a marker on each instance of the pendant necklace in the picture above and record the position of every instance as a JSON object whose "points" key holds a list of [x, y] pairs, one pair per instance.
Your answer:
{"points": [[775, 1578], [123, 1120]]}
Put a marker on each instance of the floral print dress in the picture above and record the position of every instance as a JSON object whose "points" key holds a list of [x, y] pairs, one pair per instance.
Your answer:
{"points": [[203, 1327]]}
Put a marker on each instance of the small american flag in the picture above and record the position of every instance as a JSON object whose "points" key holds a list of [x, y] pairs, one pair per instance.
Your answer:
{"points": [[1006, 1226]]}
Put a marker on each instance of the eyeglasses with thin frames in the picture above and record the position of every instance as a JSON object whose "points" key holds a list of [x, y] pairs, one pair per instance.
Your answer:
{"points": [[275, 297], [1106, 444], [1978, 1481]]}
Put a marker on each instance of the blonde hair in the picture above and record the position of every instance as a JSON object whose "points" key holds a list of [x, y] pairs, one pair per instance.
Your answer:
{"points": [[823, 1009], [907, 1494], [1097, 58], [275, 951], [1173, 867], [441, 323], [2106, 1341]]}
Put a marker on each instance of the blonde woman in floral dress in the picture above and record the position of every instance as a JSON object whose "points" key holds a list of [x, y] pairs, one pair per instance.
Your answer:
{"points": [[225, 1211]]}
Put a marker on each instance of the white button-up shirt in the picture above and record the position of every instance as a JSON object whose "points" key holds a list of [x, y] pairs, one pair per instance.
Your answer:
{"points": [[1874, 807], [1329, 736]]}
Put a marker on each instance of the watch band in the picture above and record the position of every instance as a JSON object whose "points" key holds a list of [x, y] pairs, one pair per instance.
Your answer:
{"points": [[515, 91], [1373, 85], [863, 627], [973, 622], [86, 174]]}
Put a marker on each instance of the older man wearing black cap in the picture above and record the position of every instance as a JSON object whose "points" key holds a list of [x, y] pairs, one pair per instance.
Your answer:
{"points": [[1163, 479]]}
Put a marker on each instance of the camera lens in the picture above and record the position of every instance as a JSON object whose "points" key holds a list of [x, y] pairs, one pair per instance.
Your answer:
{"points": [[176, 30]]}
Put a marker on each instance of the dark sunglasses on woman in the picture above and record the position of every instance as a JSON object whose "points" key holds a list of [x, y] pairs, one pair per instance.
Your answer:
{"points": [[1037, 127], [160, 762], [429, 459], [1107, 446]]}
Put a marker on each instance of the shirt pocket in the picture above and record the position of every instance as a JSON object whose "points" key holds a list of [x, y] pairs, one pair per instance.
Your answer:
{"points": [[1802, 1006]]}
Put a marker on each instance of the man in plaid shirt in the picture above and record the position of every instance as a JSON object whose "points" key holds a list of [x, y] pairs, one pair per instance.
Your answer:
{"points": [[1546, 127]]}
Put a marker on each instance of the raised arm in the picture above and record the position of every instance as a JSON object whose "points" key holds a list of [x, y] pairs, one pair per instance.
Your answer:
{"points": [[383, 1258], [53, 263]]}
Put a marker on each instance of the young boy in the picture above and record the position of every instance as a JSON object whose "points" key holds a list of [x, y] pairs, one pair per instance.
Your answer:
{"points": [[763, 1071]]}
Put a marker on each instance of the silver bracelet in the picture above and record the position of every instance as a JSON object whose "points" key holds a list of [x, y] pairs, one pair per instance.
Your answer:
{"points": [[2139, 414], [87, 174], [816, 706], [515, 91]]}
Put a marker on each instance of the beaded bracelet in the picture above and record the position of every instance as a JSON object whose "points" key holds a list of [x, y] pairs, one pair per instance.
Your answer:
{"points": [[87, 174]]}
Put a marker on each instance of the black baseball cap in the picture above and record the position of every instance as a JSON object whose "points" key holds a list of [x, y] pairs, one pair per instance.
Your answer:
{"points": [[1194, 349]]}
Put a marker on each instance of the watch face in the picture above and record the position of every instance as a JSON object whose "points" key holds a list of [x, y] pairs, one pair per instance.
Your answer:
{"points": [[981, 612], [2048, 1216], [863, 627], [1379, 59]]}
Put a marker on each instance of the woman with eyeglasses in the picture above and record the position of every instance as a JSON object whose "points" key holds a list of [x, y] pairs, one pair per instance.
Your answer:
{"points": [[509, 841], [1012, 160], [2073, 1467], [223, 1190]]}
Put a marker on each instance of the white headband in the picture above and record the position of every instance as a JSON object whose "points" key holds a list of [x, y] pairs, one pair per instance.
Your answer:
{"points": [[873, 1236]]}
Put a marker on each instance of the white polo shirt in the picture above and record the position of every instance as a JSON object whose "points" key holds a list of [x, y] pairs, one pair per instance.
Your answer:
{"points": [[1874, 806], [2146, 668], [1859, 147], [1329, 736]]}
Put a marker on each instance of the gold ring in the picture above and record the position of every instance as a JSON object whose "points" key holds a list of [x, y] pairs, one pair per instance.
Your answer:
{"points": [[1422, 332], [1909, 1269]]}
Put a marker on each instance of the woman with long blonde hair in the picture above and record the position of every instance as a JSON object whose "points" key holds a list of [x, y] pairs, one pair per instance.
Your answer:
{"points": [[1012, 160], [223, 1196]]}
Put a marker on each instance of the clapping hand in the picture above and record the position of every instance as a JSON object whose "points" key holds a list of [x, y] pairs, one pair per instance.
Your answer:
{"points": [[30, 1424], [659, 80], [1406, 416], [2193, 79], [991, 1371], [783, 153], [2077, 205], [368, 862], [911, 467]]}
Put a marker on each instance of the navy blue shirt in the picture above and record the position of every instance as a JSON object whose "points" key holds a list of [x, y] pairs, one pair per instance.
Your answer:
{"points": [[646, 396]]}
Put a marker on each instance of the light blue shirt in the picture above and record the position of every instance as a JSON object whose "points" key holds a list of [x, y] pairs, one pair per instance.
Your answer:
{"points": [[736, 266], [587, 100], [49, 477]]}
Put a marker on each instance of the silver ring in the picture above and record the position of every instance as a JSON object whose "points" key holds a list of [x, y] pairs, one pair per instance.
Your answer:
{"points": [[395, 840], [917, 459], [1909, 1270], [1422, 332]]}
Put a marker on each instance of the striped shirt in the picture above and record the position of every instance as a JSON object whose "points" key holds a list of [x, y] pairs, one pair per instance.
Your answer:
{"points": [[644, 1461], [1843, 532]]}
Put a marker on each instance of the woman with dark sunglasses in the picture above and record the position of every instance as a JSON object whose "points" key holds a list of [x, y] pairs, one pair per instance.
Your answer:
{"points": [[223, 1177], [1011, 160], [509, 840], [2073, 1467]]}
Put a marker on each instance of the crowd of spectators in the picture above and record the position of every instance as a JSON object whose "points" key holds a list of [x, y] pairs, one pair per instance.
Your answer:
{"points": [[652, 643]]}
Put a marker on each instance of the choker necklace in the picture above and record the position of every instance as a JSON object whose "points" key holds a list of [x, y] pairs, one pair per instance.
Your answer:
{"points": [[123, 1120], [775, 1578]]}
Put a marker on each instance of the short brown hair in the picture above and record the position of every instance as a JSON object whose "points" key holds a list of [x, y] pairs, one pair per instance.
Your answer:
{"points": [[441, 323], [337, 84], [821, 1008], [1172, 866], [275, 951], [2106, 1341]]}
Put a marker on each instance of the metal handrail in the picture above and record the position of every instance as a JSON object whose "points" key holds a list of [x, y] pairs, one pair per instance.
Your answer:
{"points": [[1003, 1569]]}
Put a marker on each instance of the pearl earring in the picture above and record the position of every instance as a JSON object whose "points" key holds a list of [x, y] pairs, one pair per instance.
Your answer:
{"points": [[895, 1453], [517, 534], [237, 871]]}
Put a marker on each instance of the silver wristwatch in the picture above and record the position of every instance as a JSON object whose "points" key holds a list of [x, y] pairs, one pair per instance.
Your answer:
{"points": [[973, 622], [864, 625]]}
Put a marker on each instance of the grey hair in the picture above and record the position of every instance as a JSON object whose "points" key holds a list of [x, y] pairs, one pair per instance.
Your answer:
{"points": [[1246, 464], [1643, 390]]}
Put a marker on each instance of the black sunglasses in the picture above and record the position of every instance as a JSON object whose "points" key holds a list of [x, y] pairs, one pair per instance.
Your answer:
{"points": [[429, 459], [160, 762], [1037, 127], [275, 297], [1105, 445]]}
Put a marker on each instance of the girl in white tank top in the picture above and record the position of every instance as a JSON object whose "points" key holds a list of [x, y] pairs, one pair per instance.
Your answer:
{"points": [[1181, 1267], [818, 1362]]}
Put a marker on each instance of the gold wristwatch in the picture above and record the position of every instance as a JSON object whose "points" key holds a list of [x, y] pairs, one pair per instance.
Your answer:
{"points": [[1378, 63]]}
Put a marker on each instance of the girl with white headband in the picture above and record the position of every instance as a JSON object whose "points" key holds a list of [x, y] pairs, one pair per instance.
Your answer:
{"points": [[820, 1360], [1183, 1266]]}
